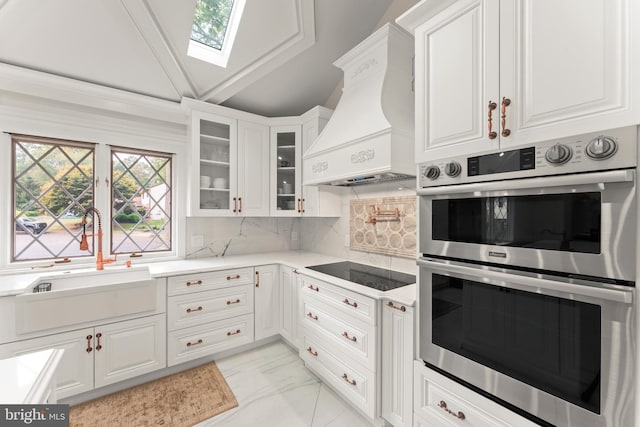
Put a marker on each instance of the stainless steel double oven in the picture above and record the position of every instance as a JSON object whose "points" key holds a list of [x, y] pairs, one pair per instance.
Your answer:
{"points": [[527, 276]]}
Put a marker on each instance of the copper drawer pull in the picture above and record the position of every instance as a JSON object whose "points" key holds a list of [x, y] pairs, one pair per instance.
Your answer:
{"points": [[99, 346], [392, 305], [316, 288], [235, 204], [135, 255], [192, 310], [299, 205], [311, 316], [346, 335], [459, 415], [236, 332], [346, 378], [302, 205], [352, 304], [197, 282], [257, 279], [505, 103], [313, 353], [234, 302], [189, 344], [240, 200], [492, 134], [89, 338], [237, 276], [62, 261]]}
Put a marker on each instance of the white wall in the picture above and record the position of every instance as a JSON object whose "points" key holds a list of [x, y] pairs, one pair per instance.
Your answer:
{"points": [[329, 235]]}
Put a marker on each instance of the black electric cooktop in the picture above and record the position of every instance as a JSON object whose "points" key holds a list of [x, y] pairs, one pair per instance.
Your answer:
{"points": [[372, 277]]}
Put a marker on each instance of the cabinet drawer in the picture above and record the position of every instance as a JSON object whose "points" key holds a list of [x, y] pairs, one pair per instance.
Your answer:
{"points": [[200, 341], [354, 382], [446, 403], [200, 307], [188, 283], [350, 335], [360, 306]]}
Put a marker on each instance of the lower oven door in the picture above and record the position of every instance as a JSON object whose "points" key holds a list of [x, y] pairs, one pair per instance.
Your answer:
{"points": [[560, 349]]}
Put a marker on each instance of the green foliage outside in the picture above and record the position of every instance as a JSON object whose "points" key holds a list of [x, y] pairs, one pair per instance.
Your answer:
{"points": [[210, 22]]}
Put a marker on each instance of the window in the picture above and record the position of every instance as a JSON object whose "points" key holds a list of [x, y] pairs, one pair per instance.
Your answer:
{"points": [[53, 185], [140, 201], [215, 24]]}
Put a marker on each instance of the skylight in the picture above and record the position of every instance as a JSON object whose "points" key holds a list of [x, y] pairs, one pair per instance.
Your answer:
{"points": [[215, 23]]}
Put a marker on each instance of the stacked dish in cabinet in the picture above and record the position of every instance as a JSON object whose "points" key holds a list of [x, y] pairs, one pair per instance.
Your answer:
{"points": [[208, 313], [340, 340]]}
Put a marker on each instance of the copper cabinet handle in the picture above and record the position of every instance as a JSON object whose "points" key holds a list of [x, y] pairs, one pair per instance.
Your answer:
{"points": [[191, 310], [190, 344], [237, 276], [302, 205], [235, 204], [313, 353], [197, 282], [234, 302], [62, 261], [459, 415], [99, 346], [240, 200], [135, 255], [392, 305], [89, 338], [257, 279], [492, 106], [316, 288], [346, 335], [236, 332], [311, 316], [505, 103], [299, 205], [346, 378], [352, 304]]}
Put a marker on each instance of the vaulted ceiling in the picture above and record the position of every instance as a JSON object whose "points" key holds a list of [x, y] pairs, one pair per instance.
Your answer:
{"points": [[281, 63]]}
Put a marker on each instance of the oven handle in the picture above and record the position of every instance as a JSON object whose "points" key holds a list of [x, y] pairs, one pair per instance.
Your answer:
{"points": [[541, 182], [602, 291]]}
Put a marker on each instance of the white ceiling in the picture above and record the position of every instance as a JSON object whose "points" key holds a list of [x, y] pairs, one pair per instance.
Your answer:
{"points": [[281, 63]]}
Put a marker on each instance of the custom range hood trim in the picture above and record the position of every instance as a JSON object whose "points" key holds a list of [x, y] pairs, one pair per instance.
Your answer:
{"points": [[370, 136]]}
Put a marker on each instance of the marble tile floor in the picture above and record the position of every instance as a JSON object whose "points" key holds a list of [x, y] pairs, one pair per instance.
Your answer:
{"points": [[273, 388]]}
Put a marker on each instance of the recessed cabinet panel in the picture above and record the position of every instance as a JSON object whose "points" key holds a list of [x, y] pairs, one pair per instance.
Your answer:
{"points": [[253, 169]]}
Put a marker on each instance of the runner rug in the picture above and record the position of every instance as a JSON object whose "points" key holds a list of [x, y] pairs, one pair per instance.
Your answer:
{"points": [[182, 399]]}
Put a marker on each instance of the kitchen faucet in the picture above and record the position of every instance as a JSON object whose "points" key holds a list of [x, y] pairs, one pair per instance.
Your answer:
{"points": [[84, 245]]}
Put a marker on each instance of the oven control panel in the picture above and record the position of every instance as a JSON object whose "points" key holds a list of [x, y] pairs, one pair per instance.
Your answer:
{"points": [[611, 149]]}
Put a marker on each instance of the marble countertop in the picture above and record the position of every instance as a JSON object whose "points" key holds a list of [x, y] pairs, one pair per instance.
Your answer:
{"points": [[17, 284], [27, 378]]}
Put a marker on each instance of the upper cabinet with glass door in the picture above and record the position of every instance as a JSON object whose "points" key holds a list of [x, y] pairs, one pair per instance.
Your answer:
{"points": [[214, 152], [286, 176], [523, 71]]}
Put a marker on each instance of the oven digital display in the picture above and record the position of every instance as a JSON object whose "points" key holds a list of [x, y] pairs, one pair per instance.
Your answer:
{"points": [[506, 161]]}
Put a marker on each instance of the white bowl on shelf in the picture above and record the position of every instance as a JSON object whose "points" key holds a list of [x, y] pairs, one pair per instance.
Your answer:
{"points": [[219, 183], [205, 181]]}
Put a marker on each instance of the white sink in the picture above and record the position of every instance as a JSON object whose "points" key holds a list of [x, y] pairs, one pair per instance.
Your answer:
{"points": [[86, 279]]}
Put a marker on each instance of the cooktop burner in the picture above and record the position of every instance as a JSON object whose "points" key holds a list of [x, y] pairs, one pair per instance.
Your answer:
{"points": [[372, 277]]}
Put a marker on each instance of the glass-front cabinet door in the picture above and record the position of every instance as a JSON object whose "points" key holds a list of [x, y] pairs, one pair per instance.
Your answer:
{"points": [[214, 163], [286, 176]]}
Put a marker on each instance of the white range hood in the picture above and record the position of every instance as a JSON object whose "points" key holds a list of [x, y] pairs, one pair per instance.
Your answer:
{"points": [[370, 136]]}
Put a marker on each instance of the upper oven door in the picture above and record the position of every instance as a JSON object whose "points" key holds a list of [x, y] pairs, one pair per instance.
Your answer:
{"points": [[580, 223]]}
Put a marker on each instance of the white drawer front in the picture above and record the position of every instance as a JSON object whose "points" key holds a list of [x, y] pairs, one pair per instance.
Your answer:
{"points": [[197, 308], [351, 335], [360, 306], [188, 283], [446, 403], [356, 383], [200, 341]]}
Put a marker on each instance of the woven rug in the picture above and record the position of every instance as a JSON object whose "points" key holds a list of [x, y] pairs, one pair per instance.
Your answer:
{"points": [[182, 399]]}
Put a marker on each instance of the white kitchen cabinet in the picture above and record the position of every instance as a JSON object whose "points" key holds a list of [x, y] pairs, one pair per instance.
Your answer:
{"points": [[286, 172], [441, 402], [230, 173], [108, 353], [494, 74], [267, 301], [397, 363], [127, 349], [289, 312]]}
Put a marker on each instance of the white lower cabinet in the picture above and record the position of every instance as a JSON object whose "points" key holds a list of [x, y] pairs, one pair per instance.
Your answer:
{"points": [[94, 357], [397, 363], [289, 305], [441, 402], [267, 301]]}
